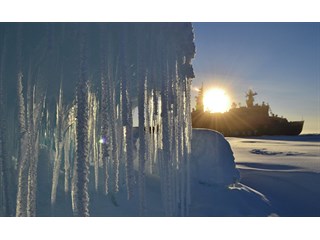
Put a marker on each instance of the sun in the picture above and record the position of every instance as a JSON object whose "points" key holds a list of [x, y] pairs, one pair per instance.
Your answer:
{"points": [[216, 100]]}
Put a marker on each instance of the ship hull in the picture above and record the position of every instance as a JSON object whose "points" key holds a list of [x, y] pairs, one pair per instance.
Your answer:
{"points": [[231, 125]]}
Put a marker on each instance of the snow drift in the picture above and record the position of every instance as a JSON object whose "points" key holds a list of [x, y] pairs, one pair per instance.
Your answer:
{"points": [[215, 186], [212, 160]]}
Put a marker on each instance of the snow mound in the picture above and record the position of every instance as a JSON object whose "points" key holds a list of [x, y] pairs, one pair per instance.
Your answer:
{"points": [[215, 187], [212, 160]]}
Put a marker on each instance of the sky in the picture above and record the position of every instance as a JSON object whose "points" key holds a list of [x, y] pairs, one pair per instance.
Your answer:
{"points": [[280, 61]]}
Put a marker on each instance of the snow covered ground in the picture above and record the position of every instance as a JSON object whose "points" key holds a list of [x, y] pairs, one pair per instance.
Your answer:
{"points": [[279, 176], [266, 176], [285, 169], [214, 180], [215, 189]]}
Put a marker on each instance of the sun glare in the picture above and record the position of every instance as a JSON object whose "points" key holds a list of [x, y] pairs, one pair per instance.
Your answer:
{"points": [[216, 100]]}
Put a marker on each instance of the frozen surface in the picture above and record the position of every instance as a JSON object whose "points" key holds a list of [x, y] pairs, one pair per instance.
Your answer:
{"points": [[215, 187], [286, 169], [267, 176]]}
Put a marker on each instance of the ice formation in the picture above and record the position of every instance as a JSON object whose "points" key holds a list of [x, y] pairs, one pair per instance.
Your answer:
{"points": [[90, 137]]}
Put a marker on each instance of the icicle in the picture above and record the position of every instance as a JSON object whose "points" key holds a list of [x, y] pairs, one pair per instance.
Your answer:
{"points": [[156, 126], [34, 153], [66, 148], [32, 178], [22, 118], [104, 114], [148, 128], [126, 113], [74, 192], [94, 141], [82, 165], [113, 135], [58, 148], [112, 130], [129, 148], [152, 134], [175, 141], [21, 206], [92, 134], [121, 141], [142, 142], [30, 129], [105, 150], [73, 162]]}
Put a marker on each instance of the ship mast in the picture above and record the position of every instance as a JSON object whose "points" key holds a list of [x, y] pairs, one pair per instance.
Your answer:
{"points": [[250, 98]]}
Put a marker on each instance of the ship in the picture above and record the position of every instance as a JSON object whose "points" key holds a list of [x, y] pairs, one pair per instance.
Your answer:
{"points": [[250, 120]]}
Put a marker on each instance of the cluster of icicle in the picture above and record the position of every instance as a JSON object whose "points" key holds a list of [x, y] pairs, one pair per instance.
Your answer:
{"points": [[29, 119], [144, 65]]}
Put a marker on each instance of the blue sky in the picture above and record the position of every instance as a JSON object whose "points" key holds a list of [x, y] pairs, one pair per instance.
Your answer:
{"points": [[280, 61]]}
